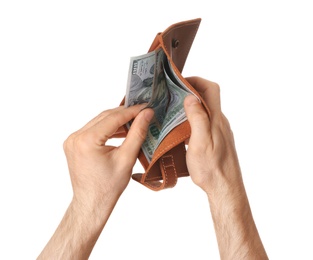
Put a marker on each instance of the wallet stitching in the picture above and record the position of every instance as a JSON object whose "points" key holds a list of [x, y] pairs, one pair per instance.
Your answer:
{"points": [[164, 167], [171, 145], [151, 185], [148, 183], [172, 165]]}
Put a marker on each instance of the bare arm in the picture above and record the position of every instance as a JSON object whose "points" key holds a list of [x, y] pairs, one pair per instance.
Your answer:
{"points": [[99, 174], [78, 232], [213, 166]]}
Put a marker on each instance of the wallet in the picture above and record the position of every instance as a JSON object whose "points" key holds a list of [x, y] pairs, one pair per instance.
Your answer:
{"points": [[168, 162]]}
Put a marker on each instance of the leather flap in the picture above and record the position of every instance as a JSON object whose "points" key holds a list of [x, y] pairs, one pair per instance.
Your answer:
{"points": [[177, 40]]}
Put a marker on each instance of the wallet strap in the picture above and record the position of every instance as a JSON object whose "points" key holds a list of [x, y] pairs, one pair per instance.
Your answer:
{"points": [[165, 173]]}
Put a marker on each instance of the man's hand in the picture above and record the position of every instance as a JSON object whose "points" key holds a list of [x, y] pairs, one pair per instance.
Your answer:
{"points": [[99, 174], [211, 149], [98, 170], [213, 165]]}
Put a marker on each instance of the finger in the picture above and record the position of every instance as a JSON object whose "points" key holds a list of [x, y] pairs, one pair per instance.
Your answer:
{"points": [[98, 118], [210, 92], [199, 123], [107, 126], [137, 134]]}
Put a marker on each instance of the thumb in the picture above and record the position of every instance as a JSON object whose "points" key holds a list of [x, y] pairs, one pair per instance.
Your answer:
{"points": [[199, 122], [137, 134]]}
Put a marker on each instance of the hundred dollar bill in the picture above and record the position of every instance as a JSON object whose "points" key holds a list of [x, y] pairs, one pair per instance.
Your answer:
{"points": [[151, 80], [140, 79]]}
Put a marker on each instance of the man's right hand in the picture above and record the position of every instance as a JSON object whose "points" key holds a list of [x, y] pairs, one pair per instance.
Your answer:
{"points": [[213, 165]]}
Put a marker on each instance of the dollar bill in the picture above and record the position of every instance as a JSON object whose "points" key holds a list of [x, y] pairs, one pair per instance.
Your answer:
{"points": [[140, 79], [152, 80]]}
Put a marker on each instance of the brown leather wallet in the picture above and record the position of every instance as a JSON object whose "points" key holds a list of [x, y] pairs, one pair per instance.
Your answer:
{"points": [[169, 159]]}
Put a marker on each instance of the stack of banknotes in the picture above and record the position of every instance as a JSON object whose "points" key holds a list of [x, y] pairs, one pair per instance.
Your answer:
{"points": [[152, 80]]}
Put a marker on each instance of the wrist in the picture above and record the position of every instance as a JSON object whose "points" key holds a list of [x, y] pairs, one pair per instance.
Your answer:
{"points": [[229, 200], [234, 225], [94, 204], [78, 231], [223, 180], [226, 194]]}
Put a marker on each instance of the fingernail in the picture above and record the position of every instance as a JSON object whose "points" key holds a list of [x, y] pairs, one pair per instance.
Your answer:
{"points": [[149, 113]]}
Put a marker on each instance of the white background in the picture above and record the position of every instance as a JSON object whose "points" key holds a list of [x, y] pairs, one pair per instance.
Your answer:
{"points": [[63, 62]]}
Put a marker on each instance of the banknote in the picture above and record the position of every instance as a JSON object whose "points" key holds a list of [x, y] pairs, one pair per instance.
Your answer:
{"points": [[152, 80], [140, 79]]}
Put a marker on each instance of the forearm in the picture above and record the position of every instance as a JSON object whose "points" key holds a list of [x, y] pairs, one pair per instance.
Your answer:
{"points": [[236, 232], [78, 231]]}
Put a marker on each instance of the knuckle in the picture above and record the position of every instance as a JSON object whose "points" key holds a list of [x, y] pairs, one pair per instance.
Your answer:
{"points": [[68, 143], [76, 143], [226, 122], [81, 142], [216, 87], [224, 125], [221, 121]]}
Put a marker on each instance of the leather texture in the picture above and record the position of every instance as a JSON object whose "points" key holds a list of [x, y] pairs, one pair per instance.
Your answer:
{"points": [[169, 159]]}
